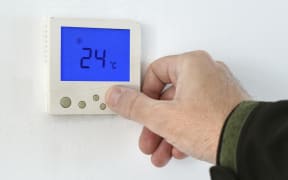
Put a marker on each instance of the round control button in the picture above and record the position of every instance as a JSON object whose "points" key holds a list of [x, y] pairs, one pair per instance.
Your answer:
{"points": [[96, 97], [82, 104], [65, 102], [102, 106]]}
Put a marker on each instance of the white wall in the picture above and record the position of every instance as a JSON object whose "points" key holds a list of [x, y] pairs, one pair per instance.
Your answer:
{"points": [[250, 36]]}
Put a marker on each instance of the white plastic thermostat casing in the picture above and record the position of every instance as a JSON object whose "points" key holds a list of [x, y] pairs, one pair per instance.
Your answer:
{"points": [[84, 97]]}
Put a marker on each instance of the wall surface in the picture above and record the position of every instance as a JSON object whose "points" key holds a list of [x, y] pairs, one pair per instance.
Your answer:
{"points": [[250, 36]]}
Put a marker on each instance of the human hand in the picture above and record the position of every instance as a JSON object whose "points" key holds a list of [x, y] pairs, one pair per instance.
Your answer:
{"points": [[185, 118]]}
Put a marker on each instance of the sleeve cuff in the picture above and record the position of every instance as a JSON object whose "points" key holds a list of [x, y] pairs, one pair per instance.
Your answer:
{"points": [[226, 155]]}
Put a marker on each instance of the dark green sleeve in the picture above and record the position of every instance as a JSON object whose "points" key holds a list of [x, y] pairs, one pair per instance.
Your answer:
{"points": [[254, 143]]}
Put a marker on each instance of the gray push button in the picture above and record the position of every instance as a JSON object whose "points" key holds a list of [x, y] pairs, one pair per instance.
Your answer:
{"points": [[82, 104], [65, 102], [96, 97], [102, 106]]}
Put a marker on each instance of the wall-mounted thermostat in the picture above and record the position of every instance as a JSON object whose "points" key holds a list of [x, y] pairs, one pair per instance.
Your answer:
{"points": [[85, 58]]}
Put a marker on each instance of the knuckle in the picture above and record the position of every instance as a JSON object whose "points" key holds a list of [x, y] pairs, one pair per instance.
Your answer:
{"points": [[132, 108], [150, 67], [198, 56], [201, 53], [222, 64]]}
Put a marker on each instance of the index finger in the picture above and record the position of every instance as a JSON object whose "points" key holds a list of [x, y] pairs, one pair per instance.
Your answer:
{"points": [[161, 72]]}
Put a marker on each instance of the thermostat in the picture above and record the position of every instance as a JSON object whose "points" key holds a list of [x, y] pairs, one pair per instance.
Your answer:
{"points": [[85, 58]]}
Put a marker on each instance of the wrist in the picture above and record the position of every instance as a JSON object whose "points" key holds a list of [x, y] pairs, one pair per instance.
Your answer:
{"points": [[228, 140]]}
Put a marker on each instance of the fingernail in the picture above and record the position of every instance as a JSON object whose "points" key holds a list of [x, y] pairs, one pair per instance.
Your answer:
{"points": [[114, 96]]}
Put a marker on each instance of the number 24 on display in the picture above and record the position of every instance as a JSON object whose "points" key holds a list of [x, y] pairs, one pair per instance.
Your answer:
{"points": [[97, 57]]}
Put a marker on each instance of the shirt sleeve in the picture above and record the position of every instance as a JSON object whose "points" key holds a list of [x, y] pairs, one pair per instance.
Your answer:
{"points": [[254, 143]]}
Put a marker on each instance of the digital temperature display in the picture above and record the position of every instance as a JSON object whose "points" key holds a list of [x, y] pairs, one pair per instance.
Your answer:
{"points": [[95, 54]]}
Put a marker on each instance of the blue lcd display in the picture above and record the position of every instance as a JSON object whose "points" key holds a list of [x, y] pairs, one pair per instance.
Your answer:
{"points": [[95, 54]]}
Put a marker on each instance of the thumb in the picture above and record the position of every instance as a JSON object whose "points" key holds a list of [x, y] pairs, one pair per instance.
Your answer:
{"points": [[134, 105]]}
